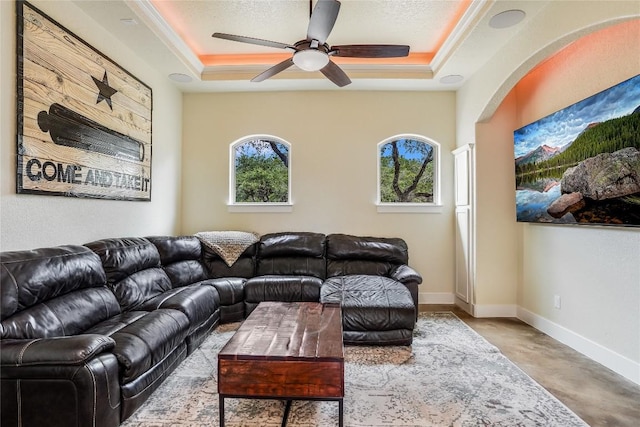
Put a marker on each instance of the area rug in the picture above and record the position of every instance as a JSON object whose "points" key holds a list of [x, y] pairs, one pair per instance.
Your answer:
{"points": [[450, 376]]}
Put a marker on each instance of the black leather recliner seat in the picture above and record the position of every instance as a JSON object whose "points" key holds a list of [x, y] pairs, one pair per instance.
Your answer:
{"points": [[377, 290], [139, 281], [376, 310], [290, 267], [64, 334]]}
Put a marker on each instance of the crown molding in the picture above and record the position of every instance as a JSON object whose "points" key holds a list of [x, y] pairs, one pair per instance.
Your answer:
{"points": [[355, 71], [145, 10], [469, 20]]}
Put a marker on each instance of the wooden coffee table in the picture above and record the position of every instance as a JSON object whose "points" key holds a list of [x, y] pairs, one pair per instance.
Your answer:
{"points": [[288, 351]]}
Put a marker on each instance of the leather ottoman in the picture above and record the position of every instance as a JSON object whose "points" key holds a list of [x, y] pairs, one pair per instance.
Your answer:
{"points": [[376, 310]]}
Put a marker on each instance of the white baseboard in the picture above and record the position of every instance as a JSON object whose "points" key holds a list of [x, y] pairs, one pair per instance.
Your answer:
{"points": [[436, 298], [495, 310], [610, 359], [506, 310], [617, 363]]}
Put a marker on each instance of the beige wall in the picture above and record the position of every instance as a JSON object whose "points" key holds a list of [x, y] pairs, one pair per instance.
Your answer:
{"points": [[595, 270], [497, 258], [30, 221], [333, 137]]}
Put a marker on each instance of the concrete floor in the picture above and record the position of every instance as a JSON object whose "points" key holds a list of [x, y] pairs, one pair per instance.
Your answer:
{"points": [[595, 393]]}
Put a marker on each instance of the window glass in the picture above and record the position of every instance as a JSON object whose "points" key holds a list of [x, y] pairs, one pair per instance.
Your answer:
{"points": [[408, 170], [260, 170]]}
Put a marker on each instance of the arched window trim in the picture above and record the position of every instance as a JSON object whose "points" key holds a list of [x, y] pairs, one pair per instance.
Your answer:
{"points": [[433, 207], [232, 205]]}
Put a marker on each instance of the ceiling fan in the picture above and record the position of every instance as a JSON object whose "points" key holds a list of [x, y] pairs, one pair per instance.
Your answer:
{"points": [[313, 53]]}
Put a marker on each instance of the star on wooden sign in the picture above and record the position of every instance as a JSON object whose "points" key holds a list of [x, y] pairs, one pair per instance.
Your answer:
{"points": [[106, 91]]}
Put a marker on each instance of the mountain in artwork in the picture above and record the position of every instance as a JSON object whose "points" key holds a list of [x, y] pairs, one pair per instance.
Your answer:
{"points": [[540, 154]]}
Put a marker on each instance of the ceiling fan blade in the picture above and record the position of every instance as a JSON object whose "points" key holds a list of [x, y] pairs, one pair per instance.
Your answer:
{"points": [[252, 40], [370, 50], [335, 74], [270, 72], [322, 20]]}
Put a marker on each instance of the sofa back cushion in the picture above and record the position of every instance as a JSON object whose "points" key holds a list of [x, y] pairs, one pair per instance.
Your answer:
{"points": [[181, 259], [52, 292], [364, 255], [291, 253], [217, 268], [133, 269]]}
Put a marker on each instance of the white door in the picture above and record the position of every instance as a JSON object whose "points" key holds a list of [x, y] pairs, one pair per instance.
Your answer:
{"points": [[464, 201]]}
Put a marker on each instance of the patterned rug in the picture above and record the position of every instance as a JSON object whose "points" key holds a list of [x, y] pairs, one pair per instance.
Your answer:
{"points": [[450, 376]]}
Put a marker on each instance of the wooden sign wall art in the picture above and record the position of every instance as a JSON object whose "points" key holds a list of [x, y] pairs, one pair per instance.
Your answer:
{"points": [[84, 122]]}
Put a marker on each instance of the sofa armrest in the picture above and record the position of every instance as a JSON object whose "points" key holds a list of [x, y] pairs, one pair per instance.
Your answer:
{"points": [[60, 382], [411, 279], [405, 274], [72, 350]]}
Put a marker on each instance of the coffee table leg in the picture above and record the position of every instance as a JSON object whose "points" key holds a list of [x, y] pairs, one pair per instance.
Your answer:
{"points": [[221, 411], [287, 409], [340, 412]]}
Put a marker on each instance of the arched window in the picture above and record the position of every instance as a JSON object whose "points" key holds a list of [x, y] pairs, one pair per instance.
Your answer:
{"points": [[260, 167], [408, 172]]}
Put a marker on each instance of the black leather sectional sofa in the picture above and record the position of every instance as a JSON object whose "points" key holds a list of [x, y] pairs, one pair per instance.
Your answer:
{"points": [[89, 332]]}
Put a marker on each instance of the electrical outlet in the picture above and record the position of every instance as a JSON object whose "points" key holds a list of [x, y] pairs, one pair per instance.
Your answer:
{"points": [[557, 303]]}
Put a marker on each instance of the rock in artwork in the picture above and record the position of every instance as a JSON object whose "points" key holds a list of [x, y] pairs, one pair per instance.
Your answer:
{"points": [[581, 165], [84, 123]]}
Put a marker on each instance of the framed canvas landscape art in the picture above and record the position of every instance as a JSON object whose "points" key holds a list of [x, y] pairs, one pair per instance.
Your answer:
{"points": [[581, 165], [83, 122]]}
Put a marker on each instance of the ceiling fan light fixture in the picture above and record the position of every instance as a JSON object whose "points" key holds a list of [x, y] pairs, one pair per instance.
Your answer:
{"points": [[313, 53], [310, 59]]}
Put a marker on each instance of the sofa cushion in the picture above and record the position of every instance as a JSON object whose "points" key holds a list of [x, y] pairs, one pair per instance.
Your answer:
{"points": [[218, 268], [282, 288], [231, 292], [186, 272], [28, 278], [370, 303], [181, 259], [197, 302], [353, 255], [230, 289], [385, 249], [75, 350], [297, 266], [52, 292], [66, 315], [123, 257], [141, 286], [145, 338], [114, 324], [291, 253], [133, 270], [292, 244], [177, 248]]}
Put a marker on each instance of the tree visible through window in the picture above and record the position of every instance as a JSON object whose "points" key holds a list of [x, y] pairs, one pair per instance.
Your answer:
{"points": [[407, 171], [261, 168]]}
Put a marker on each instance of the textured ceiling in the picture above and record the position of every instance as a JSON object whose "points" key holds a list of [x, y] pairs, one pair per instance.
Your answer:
{"points": [[418, 23], [445, 37]]}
